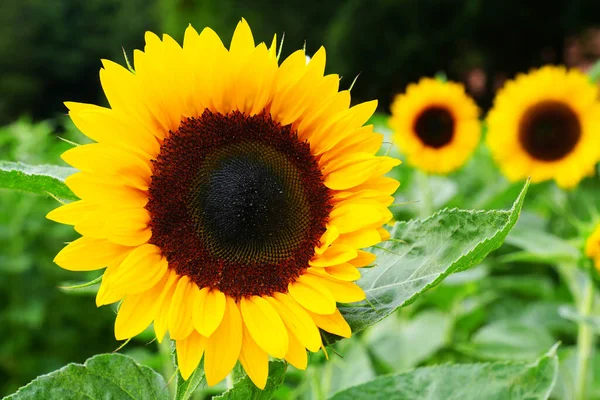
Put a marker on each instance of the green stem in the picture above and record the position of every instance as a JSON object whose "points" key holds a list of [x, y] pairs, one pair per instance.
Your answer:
{"points": [[426, 197], [164, 349], [584, 340]]}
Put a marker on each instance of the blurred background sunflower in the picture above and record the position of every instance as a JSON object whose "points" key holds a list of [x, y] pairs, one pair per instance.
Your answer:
{"points": [[504, 309]]}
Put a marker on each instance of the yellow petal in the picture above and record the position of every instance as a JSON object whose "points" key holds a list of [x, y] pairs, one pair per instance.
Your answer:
{"points": [[143, 268], [71, 213], [361, 238], [254, 360], [209, 308], [363, 259], [297, 320], [88, 254], [104, 126], [137, 311], [129, 227], [343, 292], [181, 309], [122, 165], [189, 353], [296, 354], [312, 295], [334, 255], [224, 346], [162, 315], [332, 323], [242, 42], [330, 235], [350, 216], [99, 190], [265, 325], [356, 168], [344, 272]]}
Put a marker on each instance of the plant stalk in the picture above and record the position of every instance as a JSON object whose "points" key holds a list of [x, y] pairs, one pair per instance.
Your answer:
{"points": [[584, 340], [426, 197]]}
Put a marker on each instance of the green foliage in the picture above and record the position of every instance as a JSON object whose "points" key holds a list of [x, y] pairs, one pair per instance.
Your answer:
{"points": [[104, 376], [185, 389], [463, 382], [244, 388], [421, 253], [50, 51], [38, 179]]}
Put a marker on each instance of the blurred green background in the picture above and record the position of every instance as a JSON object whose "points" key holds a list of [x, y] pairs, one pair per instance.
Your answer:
{"points": [[50, 52]]}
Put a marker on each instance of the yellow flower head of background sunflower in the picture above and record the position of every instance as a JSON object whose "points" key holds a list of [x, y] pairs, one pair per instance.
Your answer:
{"points": [[228, 198], [546, 125], [435, 125], [592, 247]]}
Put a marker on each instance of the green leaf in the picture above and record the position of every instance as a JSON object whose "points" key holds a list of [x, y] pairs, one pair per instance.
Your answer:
{"points": [[594, 72], [38, 179], [185, 389], [105, 376], [401, 344], [421, 253], [508, 340], [244, 388], [539, 246], [489, 381]]}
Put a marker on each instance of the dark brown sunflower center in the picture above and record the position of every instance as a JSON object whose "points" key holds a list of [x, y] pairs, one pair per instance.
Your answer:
{"points": [[549, 130], [237, 203], [435, 126]]}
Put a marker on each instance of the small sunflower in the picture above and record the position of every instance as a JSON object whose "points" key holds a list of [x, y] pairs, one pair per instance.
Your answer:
{"points": [[435, 125], [545, 125], [592, 247], [229, 197]]}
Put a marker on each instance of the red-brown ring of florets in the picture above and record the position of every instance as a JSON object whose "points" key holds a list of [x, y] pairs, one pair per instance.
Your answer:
{"points": [[237, 203]]}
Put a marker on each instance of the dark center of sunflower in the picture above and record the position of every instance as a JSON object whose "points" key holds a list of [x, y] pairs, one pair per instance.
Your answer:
{"points": [[435, 127], [237, 203], [549, 130]]}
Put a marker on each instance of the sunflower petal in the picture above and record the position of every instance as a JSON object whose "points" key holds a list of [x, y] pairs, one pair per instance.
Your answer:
{"points": [[88, 254], [224, 346], [254, 360], [137, 311], [312, 295], [332, 323], [180, 311], [143, 268], [189, 353], [209, 308], [296, 354], [297, 320], [265, 325]]}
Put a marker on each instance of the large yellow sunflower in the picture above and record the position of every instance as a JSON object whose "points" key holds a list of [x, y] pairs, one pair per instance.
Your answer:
{"points": [[435, 125], [228, 198], [546, 125]]}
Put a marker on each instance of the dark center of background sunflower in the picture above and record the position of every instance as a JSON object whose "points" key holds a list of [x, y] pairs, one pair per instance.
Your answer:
{"points": [[435, 126], [549, 130], [237, 203]]}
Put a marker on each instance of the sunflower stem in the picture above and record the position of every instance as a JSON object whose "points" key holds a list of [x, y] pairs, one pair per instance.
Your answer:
{"points": [[584, 339], [426, 198]]}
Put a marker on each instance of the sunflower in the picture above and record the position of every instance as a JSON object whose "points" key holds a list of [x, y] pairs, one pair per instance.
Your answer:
{"points": [[592, 247], [228, 198], [545, 125], [435, 125]]}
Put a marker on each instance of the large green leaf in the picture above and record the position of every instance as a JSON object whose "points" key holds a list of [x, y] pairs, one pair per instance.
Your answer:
{"points": [[489, 381], [421, 253], [185, 389], [38, 179], [105, 376], [244, 388]]}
